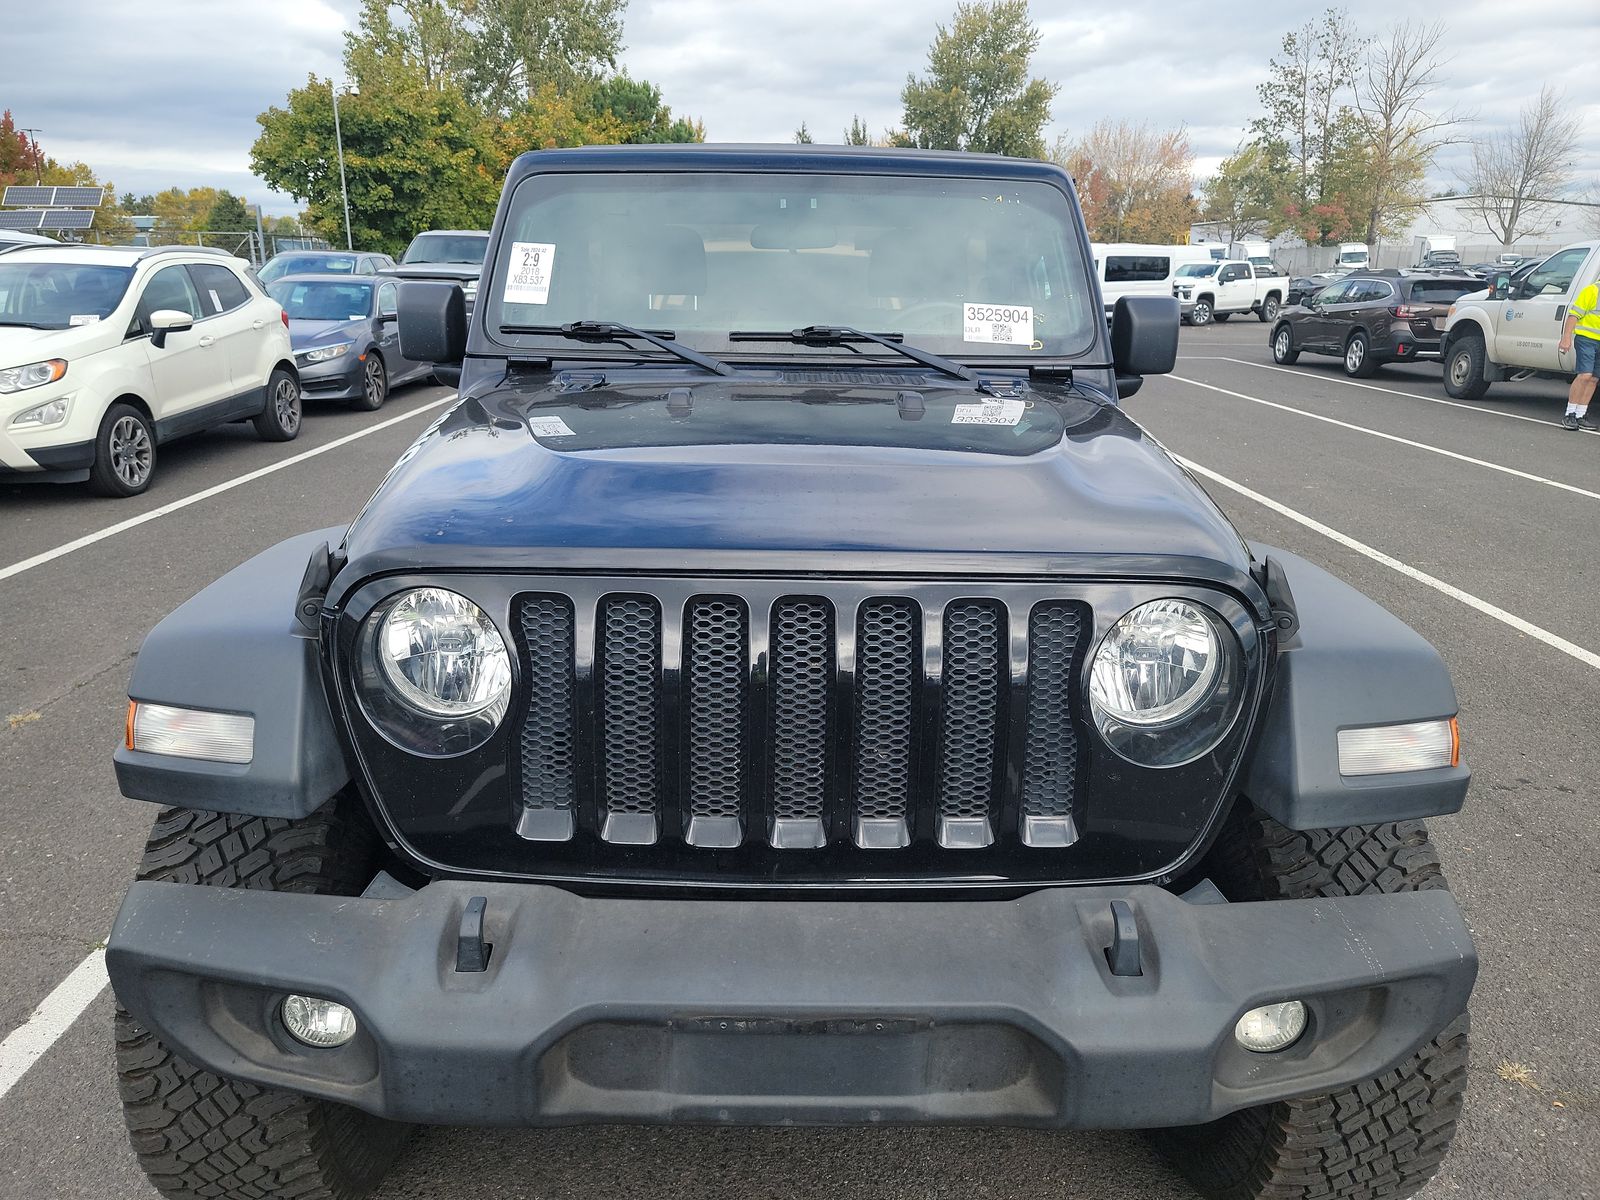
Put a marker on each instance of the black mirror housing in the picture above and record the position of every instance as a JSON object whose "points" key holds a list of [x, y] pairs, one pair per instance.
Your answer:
{"points": [[1144, 335], [433, 321]]}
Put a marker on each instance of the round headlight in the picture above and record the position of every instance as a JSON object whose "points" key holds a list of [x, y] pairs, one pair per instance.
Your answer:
{"points": [[442, 654], [1164, 684]]}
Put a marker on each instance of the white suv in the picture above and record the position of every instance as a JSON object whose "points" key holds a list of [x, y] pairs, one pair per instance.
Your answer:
{"points": [[105, 352]]}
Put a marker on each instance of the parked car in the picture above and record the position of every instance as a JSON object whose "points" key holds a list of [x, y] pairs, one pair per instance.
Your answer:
{"points": [[1513, 327], [1371, 318], [451, 255], [1215, 291], [728, 713], [346, 345], [324, 262], [107, 352], [1302, 286]]}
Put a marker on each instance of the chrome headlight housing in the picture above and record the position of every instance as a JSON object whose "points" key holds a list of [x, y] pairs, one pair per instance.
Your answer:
{"points": [[20, 379], [324, 353], [434, 674], [1165, 683]]}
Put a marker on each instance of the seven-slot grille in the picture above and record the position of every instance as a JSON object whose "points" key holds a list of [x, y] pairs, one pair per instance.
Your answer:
{"points": [[799, 720]]}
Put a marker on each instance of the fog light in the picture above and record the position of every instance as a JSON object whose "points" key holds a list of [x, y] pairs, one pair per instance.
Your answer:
{"points": [[1415, 746], [317, 1022], [1271, 1027]]}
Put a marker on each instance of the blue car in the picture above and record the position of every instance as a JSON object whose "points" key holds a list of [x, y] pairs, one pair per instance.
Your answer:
{"points": [[346, 345]]}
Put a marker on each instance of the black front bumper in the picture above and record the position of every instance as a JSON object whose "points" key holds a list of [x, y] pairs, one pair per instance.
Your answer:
{"points": [[793, 1012], [338, 379]]}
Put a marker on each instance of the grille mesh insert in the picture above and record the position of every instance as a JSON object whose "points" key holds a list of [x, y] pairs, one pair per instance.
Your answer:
{"points": [[802, 678], [630, 703], [549, 768], [887, 648], [1050, 762], [970, 715], [715, 658]]}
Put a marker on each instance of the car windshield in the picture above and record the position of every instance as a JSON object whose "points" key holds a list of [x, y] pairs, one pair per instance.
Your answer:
{"points": [[1191, 270], [468, 248], [55, 295], [308, 264], [315, 300], [961, 267]]}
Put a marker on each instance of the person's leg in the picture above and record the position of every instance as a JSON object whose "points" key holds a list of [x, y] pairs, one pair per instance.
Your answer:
{"points": [[1579, 394]]}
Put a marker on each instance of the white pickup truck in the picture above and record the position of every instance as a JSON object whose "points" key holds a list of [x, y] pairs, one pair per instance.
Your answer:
{"points": [[1214, 291], [1512, 329]]}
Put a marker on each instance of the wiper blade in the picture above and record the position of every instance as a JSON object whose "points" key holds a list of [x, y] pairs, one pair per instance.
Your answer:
{"points": [[614, 331], [839, 335], [31, 325]]}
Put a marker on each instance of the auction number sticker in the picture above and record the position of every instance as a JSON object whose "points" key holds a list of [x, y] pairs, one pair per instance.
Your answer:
{"points": [[549, 427], [990, 412], [528, 276], [1006, 324]]}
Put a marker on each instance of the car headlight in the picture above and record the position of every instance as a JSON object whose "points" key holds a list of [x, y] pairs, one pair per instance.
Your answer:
{"points": [[1164, 685], [41, 416], [324, 353], [20, 379], [434, 673]]}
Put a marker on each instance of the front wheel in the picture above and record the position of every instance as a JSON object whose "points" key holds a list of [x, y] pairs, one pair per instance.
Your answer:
{"points": [[1268, 311], [124, 453], [374, 385], [1284, 351], [1381, 1138], [1463, 369], [1358, 360], [279, 421], [1200, 314]]}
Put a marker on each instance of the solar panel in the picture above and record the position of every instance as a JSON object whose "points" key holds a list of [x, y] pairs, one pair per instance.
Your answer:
{"points": [[67, 218], [22, 218], [28, 194], [75, 197]]}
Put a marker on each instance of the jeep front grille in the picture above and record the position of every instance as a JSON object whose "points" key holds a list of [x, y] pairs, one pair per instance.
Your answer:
{"points": [[799, 719]]}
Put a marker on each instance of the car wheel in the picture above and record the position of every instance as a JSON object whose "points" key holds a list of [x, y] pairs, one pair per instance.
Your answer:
{"points": [[1268, 311], [200, 1134], [1221, 318], [1463, 368], [1200, 314], [279, 421], [374, 385], [1358, 360], [1284, 351], [124, 453], [1383, 1137]]}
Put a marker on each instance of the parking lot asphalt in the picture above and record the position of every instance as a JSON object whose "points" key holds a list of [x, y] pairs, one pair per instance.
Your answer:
{"points": [[1475, 523]]}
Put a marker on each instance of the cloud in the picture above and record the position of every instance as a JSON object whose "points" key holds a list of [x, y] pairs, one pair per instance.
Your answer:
{"points": [[166, 92]]}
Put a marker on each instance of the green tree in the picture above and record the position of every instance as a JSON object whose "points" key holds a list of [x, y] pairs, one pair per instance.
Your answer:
{"points": [[857, 134], [1242, 197], [228, 212], [520, 45], [638, 109], [976, 94], [802, 136]]}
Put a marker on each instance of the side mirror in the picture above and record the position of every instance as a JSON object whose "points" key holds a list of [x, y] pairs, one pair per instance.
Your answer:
{"points": [[433, 322], [1144, 339], [168, 320], [1501, 289]]}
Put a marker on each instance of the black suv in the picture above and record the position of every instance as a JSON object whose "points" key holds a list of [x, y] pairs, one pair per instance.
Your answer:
{"points": [[788, 689], [1371, 318]]}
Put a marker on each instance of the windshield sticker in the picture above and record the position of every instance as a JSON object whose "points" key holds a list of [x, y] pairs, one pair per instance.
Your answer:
{"points": [[528, 278], [1010, 325], [83, 319], [549, 426], [992, 412]]}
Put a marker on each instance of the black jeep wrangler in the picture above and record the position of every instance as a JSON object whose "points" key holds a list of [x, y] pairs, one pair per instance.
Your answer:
{"points": [[786, 688]]}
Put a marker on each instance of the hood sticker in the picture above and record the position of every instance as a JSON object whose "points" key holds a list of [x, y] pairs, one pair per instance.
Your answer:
{"points": [[993, 412], [84, 319], [1007, 324], [528, 274], [549, 427]]}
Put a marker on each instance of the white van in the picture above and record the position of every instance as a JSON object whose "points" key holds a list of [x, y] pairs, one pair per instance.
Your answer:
{"points": [[1135, 269]]}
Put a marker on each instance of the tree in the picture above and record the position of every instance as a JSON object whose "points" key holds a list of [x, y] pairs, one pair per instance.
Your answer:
{"points": [[1400, 135], [976, 94], [1241, 198], [21, 160], [1134, 182], [518, 46], [639, 112], [857, 134], [1513, 170], [802, 135], [228, 213]]}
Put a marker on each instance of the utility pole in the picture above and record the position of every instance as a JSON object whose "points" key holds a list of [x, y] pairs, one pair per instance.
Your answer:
{"points": [[338, 141], [38, 156]]}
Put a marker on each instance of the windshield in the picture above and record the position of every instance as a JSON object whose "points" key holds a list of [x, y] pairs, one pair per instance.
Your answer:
{"points": [[308, 264], [56, 295], [964, 267], [1353, 256], [1191, 270], [466, 248], [314, 300]]}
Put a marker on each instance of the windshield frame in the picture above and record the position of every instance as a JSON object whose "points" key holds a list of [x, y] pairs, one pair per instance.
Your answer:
{"points": [[1094, 352]]}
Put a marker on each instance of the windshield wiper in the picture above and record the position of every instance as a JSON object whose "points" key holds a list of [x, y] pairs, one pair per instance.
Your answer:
{"points": [[30, 325], [614, 331], [839, 335]]}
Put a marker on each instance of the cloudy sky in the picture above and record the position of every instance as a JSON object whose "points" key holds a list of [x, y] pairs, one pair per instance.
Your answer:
{"points": [[165, 92]]}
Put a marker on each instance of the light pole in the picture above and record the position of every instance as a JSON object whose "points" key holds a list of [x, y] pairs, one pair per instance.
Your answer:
{"points": [[338, 141]]}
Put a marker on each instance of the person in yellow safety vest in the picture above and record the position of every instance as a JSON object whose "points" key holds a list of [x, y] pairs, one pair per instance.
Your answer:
{"points": [[1582, 332]]}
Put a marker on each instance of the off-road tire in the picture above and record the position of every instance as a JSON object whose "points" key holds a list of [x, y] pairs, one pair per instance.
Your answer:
{"points": [[1464, 368], [1381, 1139], [279, 420], [1284, 351], [199, 1134], [124, 453]]}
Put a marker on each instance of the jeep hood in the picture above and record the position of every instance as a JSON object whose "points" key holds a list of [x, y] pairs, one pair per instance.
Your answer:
{"points": [[576, 469]]}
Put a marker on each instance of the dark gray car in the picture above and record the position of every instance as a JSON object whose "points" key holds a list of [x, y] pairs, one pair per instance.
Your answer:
{"points": [[324, 262], [345, 342]]}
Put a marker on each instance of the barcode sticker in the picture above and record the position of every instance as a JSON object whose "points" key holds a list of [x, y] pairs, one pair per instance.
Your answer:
{"points": [[549, 427], [1002, 324], [528, 273], [992, 412]]}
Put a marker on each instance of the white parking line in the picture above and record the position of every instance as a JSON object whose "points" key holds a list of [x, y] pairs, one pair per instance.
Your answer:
{"points": [[1373, 387], [100, 535], [1587, 657], [1390, 437], [26, 1044]]}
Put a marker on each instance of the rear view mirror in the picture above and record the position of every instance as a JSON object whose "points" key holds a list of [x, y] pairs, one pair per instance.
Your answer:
{"points": [[1144, 339], [168, 320], [433, 322]]}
